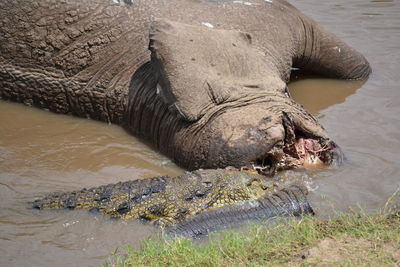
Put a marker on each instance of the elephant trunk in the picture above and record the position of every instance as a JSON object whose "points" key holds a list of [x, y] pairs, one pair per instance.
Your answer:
{"points": [[325, 54]]}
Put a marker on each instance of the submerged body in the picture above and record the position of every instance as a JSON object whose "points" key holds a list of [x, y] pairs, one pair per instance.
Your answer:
{"points": [[168, 201], [209, 92]]}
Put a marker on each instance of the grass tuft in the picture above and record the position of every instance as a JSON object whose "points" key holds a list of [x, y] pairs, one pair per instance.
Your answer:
{"points": [[348, 239]]}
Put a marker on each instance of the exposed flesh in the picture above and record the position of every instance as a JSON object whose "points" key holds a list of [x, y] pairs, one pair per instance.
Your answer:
{"points": [[296, 151]]}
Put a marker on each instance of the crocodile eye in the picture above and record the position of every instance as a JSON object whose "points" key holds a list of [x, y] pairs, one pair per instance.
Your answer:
{"points": [[254, 181]]}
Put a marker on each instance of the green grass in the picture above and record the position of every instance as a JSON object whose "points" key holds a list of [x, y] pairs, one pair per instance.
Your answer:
{"points": [[347, 240]]}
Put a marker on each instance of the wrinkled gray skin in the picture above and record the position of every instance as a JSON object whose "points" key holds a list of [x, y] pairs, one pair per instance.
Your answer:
{"points": [[91, 59]]}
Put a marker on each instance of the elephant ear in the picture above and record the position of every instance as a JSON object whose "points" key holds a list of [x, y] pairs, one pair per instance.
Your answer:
{"points": [[200, 67]]}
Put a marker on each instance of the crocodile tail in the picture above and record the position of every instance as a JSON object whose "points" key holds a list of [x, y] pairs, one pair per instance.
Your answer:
{"points": [[109, 198], [290, 201], [83, 199]]}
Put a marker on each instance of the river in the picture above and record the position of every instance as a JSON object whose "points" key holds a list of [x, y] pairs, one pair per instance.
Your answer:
{"points": [[41, 152]]}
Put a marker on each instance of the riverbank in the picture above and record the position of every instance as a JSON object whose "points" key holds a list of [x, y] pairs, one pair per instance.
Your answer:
{"points": [[355, 239]]}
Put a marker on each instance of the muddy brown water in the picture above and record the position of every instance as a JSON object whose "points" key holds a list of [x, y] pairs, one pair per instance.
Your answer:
{"points": [[42, 152]]}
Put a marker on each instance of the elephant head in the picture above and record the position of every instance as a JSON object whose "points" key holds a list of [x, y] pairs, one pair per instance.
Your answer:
{"points": [[211, 98]]}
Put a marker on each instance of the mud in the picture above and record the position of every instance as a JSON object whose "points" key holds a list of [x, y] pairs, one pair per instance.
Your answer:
{"points": [[42, 152]]}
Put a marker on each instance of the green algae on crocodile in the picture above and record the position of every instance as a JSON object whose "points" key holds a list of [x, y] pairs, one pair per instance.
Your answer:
{"points": [[165, 200]]}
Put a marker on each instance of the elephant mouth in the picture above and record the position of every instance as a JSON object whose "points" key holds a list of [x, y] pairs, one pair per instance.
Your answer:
{"points": [[303, 152], [298, 149]]}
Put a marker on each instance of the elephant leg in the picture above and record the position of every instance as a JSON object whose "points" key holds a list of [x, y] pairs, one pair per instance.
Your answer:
{"points": [[60, 94], [70, 57]]}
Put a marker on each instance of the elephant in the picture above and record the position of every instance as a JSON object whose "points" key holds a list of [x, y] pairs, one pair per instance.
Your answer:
{"points": [[204, 81]]}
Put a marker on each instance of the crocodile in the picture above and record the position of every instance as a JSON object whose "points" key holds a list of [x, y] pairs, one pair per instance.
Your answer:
{"points": [[173, 201]]}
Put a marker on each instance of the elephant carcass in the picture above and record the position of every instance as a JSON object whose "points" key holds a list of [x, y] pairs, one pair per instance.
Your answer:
{"points": [[211, 90]]}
